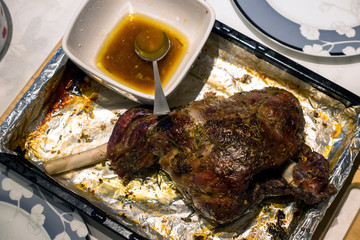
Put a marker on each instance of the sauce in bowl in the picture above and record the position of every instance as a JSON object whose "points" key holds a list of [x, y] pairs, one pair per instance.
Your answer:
{"points": [[117, 57]]}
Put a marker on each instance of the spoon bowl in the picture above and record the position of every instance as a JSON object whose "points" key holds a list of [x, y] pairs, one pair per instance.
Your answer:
{"points": [[152, 45]]}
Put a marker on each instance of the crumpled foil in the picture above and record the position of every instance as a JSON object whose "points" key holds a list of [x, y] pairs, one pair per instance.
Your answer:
{"points": [[149, 203]]}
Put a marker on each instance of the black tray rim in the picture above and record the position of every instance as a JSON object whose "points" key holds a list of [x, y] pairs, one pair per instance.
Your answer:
{"points": [[261, 51]]}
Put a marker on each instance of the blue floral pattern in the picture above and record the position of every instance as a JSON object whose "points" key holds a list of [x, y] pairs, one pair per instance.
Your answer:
{"points": [[28, 212], [313, 27]]}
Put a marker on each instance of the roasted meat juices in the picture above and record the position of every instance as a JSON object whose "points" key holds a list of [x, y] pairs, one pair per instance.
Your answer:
{"points": [[117, 57], [225, 154]]}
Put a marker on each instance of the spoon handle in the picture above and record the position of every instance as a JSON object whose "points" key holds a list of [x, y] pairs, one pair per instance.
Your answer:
{"points": [[160, 104]]}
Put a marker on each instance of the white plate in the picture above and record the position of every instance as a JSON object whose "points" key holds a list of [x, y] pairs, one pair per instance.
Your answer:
{"points": [[313, 27], [28, 212]]}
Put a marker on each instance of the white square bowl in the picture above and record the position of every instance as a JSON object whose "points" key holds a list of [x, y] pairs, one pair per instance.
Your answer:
{"points": [[95, 19]]}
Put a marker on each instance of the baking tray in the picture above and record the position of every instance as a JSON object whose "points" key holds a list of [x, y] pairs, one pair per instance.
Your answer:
{"points": [[13, 158]]}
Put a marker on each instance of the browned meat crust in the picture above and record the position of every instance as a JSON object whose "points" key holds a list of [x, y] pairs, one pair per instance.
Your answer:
{"points": [[215, 150]]}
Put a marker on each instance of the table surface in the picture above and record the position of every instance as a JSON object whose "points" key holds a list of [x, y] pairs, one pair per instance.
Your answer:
{"points": [[38, 25]]}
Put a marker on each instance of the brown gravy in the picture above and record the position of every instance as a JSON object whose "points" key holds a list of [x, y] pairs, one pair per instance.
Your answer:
{"points": [[118, 59]]}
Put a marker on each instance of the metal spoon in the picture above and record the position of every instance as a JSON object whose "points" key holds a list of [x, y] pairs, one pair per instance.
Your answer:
{"points": [[152, 45]]}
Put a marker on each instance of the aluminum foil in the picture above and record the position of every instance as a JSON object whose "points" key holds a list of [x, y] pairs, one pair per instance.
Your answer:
{"points": [[149, 203]]}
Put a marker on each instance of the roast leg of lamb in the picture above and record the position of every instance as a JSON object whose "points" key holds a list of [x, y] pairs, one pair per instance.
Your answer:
{"points": [[225, 154]]}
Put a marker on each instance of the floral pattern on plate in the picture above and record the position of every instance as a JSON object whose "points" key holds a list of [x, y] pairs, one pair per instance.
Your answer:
{"points": [[28, 212], [313, 27]]}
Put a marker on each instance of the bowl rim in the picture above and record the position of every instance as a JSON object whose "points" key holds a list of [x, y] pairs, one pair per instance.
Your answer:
{"points": [[119, 87]]}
